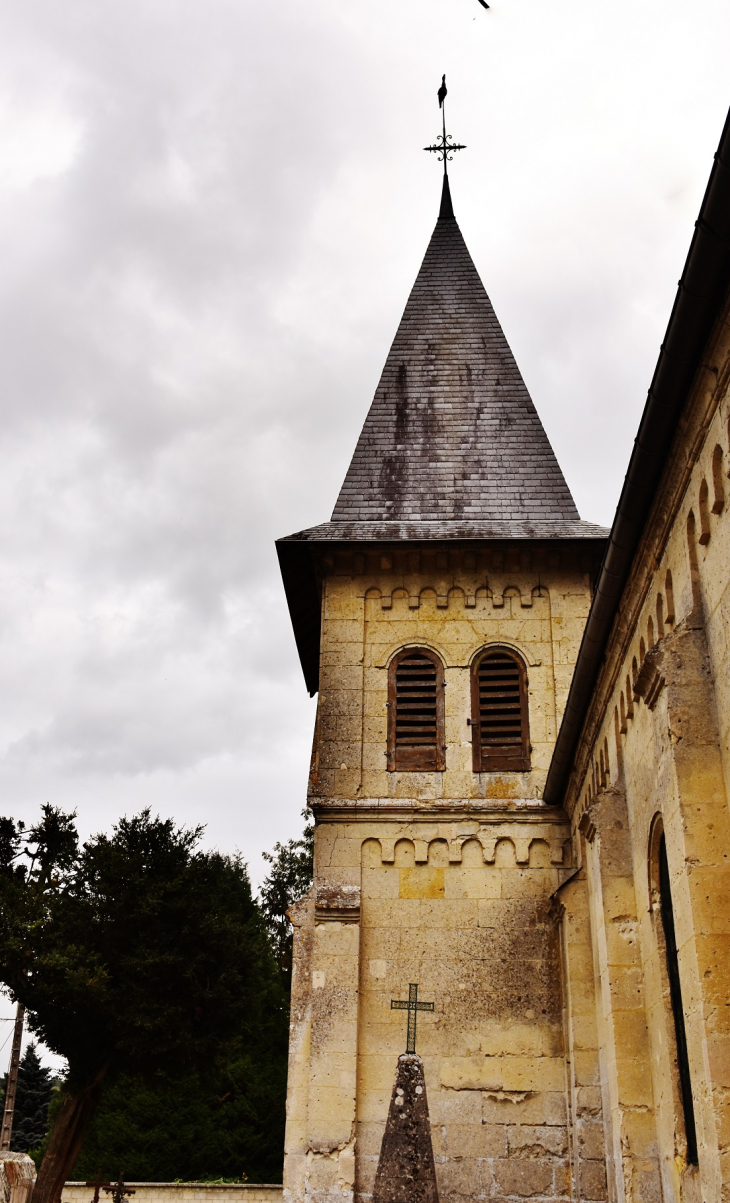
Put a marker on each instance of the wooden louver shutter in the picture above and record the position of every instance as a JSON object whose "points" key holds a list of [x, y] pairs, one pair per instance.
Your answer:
{"points": [[416, 713], [499, 713]]}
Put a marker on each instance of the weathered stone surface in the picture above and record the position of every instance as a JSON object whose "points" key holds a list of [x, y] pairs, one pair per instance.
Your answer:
{"points": [[551, 1052], [17, 1177], [406, 1172]]}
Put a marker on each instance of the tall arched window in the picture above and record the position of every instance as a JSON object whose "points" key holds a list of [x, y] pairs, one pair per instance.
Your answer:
{"points": [[416, 712], [675, 997], [718, 481], [705, 531], [499, 714]]}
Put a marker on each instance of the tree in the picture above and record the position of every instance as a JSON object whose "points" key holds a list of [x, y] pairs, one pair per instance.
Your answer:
{"points": [[35, 1089], [136, 953], [290, 878], [226, 1121]]}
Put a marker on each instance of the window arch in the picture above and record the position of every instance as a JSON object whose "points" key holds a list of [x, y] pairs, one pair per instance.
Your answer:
{"points": [[718, 481], [704, 514], [416, 712], [661, 896], [499, 712], [669, 590]]}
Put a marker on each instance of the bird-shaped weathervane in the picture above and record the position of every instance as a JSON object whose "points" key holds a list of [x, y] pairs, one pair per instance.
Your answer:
{"points": [[444, 147]]}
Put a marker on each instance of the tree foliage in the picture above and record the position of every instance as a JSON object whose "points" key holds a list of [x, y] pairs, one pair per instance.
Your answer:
{"points": [[35, 1088], [136, 953], [290, 877], [226, 1121]]}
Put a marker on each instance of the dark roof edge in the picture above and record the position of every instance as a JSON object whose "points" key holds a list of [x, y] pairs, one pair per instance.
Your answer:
{"points": [[702, 289], [298, 562], [416, 531], [302, 590]]}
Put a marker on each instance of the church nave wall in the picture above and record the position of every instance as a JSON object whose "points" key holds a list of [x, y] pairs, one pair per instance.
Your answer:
{"points": [[656, 748]]}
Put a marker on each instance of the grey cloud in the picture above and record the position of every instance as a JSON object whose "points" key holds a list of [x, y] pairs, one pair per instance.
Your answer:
{"points": [[210, 219]]}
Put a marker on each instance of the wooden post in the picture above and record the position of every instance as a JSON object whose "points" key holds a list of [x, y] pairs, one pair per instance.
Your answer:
{"points": [[9, 1112]]}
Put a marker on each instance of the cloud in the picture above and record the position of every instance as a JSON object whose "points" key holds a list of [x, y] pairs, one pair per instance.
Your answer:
{"points": [[210, 219]]}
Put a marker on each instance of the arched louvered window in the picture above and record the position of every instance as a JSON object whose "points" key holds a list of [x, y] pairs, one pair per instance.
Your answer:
{"points": [[499, 715], [416, 712]]}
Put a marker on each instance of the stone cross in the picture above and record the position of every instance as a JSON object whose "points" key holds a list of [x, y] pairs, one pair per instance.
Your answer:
{"points": [[413, 1006]]}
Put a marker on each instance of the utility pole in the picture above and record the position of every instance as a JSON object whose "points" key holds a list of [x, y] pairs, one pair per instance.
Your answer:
{"points": [[9, 1112]]}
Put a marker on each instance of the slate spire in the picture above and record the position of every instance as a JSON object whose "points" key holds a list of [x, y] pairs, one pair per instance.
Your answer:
{"points": [[452, 434]]}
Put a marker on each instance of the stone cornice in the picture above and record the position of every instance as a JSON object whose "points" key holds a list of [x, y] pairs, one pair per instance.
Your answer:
{"points": [[410, 810]]}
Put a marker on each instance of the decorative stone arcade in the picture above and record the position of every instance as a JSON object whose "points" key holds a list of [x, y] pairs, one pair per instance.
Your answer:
{"points": [[439, 614]]}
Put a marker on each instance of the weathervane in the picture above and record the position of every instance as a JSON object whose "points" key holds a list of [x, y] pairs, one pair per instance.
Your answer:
{"points": [[444, 147]]}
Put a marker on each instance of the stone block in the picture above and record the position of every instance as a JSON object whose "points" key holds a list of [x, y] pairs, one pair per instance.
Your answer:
{"points": [[469, 1140], [586, 1067], [525, 1179], [533, 1073], [479, 883], [458, 1178], [460, 913], [454, 1107], [523, 1107], [537, 1141], [383, 882], [528, 883], [516, 1039], [588, 1101], [562, 1180], [718, 1050], [589, 1139], [494, 913]]}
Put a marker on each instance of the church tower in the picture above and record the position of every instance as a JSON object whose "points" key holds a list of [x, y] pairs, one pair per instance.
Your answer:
{"points": [[439, 615]]}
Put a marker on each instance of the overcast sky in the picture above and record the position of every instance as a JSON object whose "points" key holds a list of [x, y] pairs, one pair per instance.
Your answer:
{"points": [[212, 214]]}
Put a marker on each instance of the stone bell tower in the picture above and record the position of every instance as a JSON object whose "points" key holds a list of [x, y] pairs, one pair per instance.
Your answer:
{"points": [[439, 615]]}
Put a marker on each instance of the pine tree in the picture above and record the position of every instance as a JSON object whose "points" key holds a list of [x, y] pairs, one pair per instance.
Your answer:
{"points": [[35, 1089], [135, 954], [290, 877]]}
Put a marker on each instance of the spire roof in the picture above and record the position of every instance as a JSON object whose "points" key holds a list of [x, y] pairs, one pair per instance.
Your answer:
{"points": [[452, 434], [452, 448]]}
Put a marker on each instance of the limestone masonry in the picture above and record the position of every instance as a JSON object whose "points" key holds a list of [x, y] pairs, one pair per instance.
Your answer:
{"points": [[576, 950]]}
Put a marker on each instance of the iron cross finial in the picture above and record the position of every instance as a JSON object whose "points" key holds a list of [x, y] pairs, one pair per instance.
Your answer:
{"points": [[444, 145], [413, 1006]]}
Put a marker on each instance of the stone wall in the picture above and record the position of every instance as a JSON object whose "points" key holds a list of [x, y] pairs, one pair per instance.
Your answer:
{"points": [[455, 602], [654, 759], [471, 909], [451, 880]]}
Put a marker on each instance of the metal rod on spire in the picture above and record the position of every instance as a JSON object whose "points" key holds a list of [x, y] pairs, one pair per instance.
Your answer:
{"points": [[444, 147]]}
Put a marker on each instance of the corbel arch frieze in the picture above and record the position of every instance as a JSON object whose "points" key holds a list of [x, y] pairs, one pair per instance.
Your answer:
{"points": [[447, 595], [541, 848]]}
